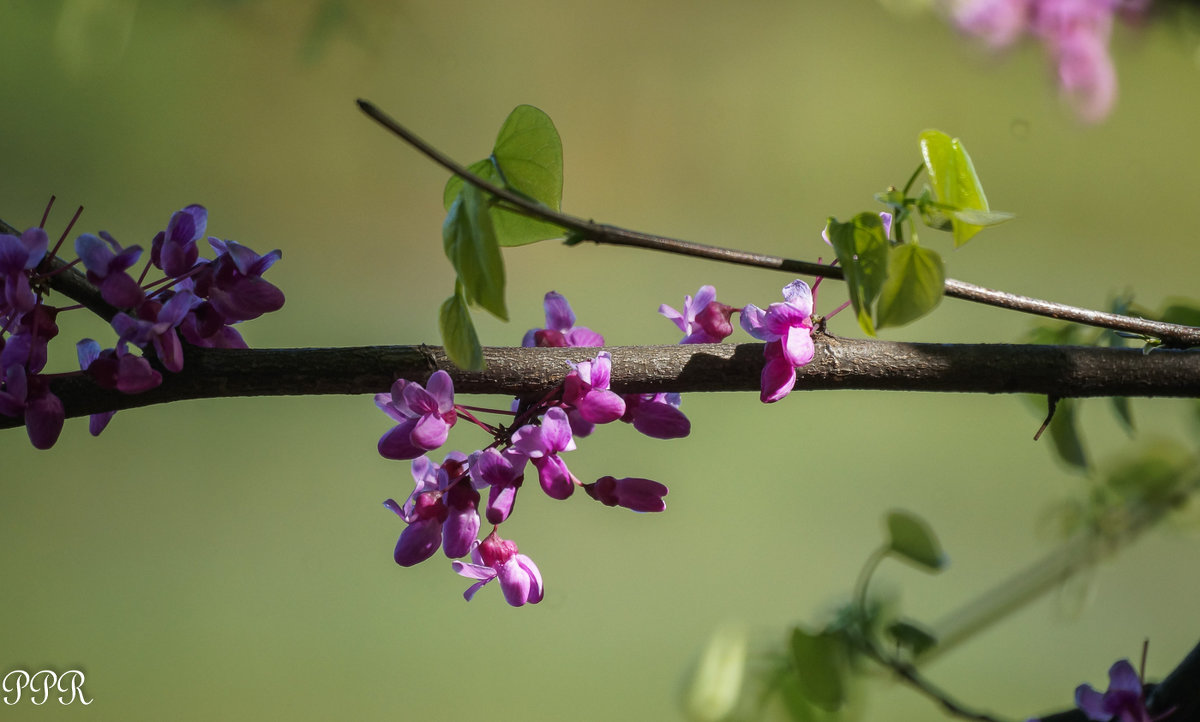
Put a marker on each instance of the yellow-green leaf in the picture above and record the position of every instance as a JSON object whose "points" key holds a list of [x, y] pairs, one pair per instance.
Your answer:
{"points": [[916, 280]]}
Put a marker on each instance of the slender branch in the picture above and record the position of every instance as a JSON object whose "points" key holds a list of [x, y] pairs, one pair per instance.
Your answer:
{"points": [[1066, 371], [913, 678], [585, 230]]}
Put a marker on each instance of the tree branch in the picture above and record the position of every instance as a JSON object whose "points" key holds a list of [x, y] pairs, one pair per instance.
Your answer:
{"points": [[584, 230], [840, 363]]}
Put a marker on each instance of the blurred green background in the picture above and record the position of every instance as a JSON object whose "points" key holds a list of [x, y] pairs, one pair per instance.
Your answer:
{"points": [[230, 559]]}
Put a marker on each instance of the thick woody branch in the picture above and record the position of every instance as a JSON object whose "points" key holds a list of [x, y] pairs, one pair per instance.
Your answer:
{"points": [[1061, 371]]}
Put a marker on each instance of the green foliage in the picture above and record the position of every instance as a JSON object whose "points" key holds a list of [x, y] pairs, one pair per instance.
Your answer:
{"points": [[956, 185], [1064, 432], [862, 249], [916, 279], [458, 332], [717, 678], [912, 539], [470, 243], [821, 666], [911, 636], [528, 160]]}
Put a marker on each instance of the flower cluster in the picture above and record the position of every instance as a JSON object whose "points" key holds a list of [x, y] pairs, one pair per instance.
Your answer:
{"points": [[197, 301], [444, 509], [1074, 32]]}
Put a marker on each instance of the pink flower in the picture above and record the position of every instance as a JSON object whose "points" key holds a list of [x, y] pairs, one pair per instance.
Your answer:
{"points": [[586, 388], [560, 327], [496, 558], [787, 329], [704, 319], [503, 472], [542, 445], [631, 493], [425, 415]]}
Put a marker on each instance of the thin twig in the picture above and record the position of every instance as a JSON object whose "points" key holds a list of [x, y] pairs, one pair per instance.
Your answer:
{"points": [[585, 230]]}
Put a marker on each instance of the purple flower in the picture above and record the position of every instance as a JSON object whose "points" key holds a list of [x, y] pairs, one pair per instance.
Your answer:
{"points": [[425, 415], [233, 282], [28, 344], [787, 329], [560, 327], [631, 493], [503, 472], [586, 388], [106, 264], [704, 319], [1122, 702], [174, 250], [542, 445], [496, 558], [155, 325], [461, 527], [18, 256], [424, 513], [656, 415], [30, 395]]}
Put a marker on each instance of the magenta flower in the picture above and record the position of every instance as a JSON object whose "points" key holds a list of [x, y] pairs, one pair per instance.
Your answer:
{"points": [[496, 558], [461, 527], [1122, 702], [542, 445], [704, 319], [631, 493], [586, 388], [1075, 33], [787, 329], [503, 472], [424, 513], [560, 327], [425, 415], [656, 415]]}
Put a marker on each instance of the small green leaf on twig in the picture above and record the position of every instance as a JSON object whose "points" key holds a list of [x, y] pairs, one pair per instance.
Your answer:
{"points": [[911, 538]]}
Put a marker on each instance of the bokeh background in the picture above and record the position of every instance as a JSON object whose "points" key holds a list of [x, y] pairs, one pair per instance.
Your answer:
{"points": [[230, 559]]}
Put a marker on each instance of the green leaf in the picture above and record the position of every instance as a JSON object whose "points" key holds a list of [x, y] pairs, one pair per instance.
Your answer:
{"points": [[1121, 407], [820, 661], [1184, 312], [911, 538], [716, 680], [862, 249], [915, 282], [470, 243], [913, 637], [1064, 432], [526, 159], [982, 218], [954, 181], [458, 333]]}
